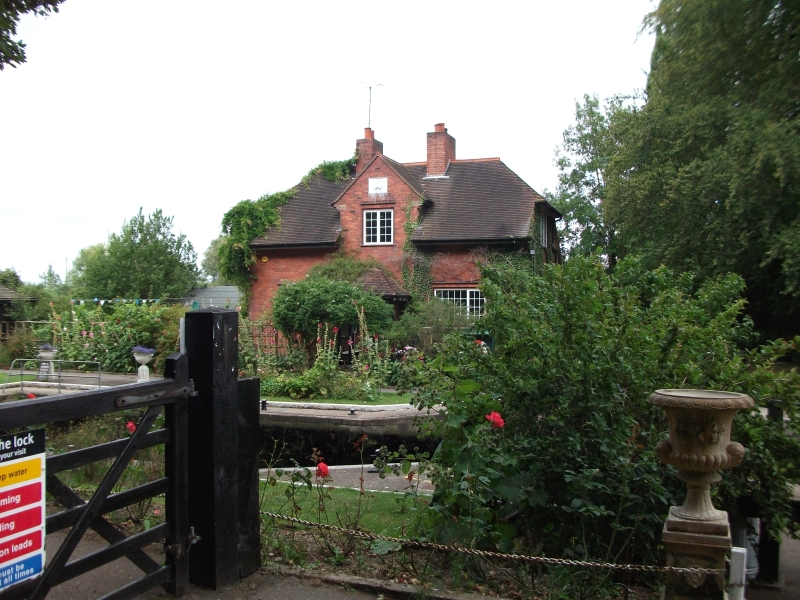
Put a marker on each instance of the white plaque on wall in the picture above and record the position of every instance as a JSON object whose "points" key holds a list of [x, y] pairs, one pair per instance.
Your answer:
{"points": [[378, 185]]}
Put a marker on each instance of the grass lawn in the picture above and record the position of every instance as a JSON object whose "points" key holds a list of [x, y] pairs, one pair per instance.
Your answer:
{"points": [[384, 513], [14, 377], [386, 398]]}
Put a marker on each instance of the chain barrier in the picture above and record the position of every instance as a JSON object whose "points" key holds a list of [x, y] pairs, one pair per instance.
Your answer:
{"points": [[500, 555]]}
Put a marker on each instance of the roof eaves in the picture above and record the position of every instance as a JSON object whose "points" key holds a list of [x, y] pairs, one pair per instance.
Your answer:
{"points": [[504, 240], [331, 244]]}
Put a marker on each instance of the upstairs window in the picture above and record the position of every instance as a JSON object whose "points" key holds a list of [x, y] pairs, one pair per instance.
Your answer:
{"points": [[378, 227], [470, 301], [544, 230]]}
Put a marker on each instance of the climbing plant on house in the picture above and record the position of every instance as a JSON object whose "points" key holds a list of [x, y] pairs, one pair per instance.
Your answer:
{"points": [[252, 218]]}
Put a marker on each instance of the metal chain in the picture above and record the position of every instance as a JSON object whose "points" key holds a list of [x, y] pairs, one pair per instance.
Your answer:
{"points": [[489, 554]]}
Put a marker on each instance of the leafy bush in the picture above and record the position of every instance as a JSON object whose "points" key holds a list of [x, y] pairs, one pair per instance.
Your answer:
{"points": [[578, 352], [107, 335], [299, 307], [425, 323], [21, 345]]}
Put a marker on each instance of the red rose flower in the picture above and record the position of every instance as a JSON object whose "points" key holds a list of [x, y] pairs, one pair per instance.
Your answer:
{"points": [[322, 470], [335, 330], [131, 427], [495, 419], [30, 396]]}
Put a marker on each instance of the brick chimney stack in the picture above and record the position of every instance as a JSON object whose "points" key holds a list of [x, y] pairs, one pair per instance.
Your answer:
{"points": [[441, 150], [367, 148]]}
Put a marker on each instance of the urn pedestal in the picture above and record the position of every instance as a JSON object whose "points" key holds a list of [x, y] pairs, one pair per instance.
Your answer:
{"points": [[697, 534], [143, 358], [46, 370]]}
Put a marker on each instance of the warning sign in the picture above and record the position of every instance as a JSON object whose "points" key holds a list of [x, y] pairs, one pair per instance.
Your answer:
{"points": [[22, 511]]}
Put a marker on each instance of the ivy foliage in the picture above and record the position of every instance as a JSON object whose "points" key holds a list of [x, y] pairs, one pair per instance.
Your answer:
{"points": [[298, 308], [333, 171], [240, 226], [344, 267], [577, 353], [416, 266]]}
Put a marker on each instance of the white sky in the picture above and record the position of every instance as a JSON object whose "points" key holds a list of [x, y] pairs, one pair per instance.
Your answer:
{"points": [[192, 106]]}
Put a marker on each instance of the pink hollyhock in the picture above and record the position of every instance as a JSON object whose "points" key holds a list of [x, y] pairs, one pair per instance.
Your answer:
{"points": [[131, 427], [322, 470], [335, 330], [495, 419], [319, 340]]}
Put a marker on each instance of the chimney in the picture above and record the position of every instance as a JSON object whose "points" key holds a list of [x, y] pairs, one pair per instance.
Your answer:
{"points": [[441, 150], [367, 149]]}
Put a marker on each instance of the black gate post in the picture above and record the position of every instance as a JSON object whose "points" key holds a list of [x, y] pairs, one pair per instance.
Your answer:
{"points": [[212, 348], [249, 450]]}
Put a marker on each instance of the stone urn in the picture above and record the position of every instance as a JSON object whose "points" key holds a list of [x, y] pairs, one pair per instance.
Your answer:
{"points": [[699, 445], [143, 358], [47, 354]]}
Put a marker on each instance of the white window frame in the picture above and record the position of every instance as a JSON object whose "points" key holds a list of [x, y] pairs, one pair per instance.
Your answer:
{"points": [[381, 238], [544, 230], [470, 300]]}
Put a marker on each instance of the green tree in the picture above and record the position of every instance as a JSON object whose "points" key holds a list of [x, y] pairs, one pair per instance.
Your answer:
{"points": [[50, 279], [10, 278], [12, 52], [583, 161], [145, 260], [708, 177], [210, 263]]}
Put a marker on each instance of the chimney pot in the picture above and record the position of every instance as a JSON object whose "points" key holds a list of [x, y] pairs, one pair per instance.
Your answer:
{"points": [[439, 128], [368, 133]]}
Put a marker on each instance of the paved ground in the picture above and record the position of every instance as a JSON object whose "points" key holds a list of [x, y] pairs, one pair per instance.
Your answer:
{"points": [[256, 587]]}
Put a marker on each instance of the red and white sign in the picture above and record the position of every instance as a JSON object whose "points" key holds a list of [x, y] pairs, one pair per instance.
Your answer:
{"points": [[22, 510]]}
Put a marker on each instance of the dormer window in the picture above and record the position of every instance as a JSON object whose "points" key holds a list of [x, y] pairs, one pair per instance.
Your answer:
{"points": [[378, 227]]}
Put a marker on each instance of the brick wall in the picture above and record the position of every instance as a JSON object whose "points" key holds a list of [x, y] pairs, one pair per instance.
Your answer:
{"points": [[454, 267], [281, 265], [357, 200]]}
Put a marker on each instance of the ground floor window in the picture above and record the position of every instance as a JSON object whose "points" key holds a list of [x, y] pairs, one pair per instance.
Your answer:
{"points": [[470, 300]]}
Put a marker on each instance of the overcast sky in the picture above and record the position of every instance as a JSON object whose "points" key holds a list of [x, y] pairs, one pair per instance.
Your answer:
{"points": [[192, 106]]}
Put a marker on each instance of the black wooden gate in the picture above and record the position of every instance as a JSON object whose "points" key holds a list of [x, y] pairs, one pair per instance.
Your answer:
{"points": [[170, 395]]}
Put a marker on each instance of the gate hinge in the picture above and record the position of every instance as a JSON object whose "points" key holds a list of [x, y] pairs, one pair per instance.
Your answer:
{"points": [[192, 538], [178, 549]]}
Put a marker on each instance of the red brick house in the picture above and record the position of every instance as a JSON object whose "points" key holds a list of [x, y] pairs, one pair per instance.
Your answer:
{"points": [[427, 222]]}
